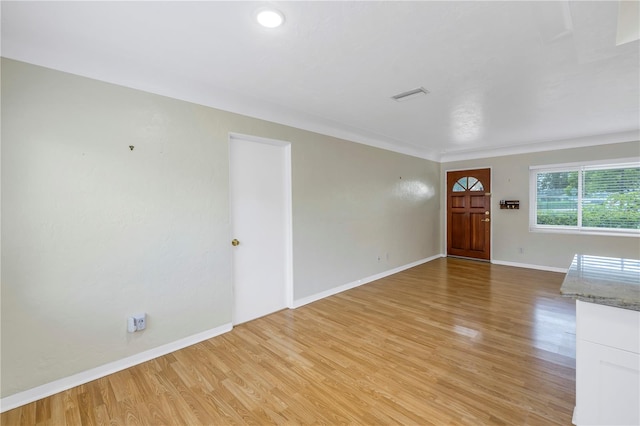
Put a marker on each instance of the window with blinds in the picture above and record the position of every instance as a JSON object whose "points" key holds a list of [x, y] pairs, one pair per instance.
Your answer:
{"points": [[602, 198]]}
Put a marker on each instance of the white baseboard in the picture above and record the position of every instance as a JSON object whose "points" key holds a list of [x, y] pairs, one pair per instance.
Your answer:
{"points": [[529, 266], [314, 297], [21, 398]]}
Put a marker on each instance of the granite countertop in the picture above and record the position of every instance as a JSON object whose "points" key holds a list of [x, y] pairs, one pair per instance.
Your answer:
{"points": [[604, 280]]}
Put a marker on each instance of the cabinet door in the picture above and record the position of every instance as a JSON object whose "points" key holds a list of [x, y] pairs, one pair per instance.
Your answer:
{"points": [[607, 385]]}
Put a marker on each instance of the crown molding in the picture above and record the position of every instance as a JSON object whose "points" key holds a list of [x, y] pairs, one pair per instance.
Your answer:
{"points": [[628, 136], [226, 100], [197, 92]]}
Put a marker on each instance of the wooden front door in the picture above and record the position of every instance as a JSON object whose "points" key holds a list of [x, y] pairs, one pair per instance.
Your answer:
{"points": [[469, 213]]}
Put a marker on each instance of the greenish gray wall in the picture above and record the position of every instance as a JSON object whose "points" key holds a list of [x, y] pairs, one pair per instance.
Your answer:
{"points": [[510, 228], [93, 232]]}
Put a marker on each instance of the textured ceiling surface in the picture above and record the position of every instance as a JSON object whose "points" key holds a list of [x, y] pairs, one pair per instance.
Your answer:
{"points": [[500, 74]]}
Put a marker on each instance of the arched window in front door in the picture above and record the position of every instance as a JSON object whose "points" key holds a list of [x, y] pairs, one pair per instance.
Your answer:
{"points": [[467, 183]]}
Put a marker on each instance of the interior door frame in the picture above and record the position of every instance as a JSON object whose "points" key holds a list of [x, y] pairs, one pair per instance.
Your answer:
{"points": [[445, 210], [288, 209]]}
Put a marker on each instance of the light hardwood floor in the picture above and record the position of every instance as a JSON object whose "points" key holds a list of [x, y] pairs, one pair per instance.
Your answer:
{"points": [[448, 342]]}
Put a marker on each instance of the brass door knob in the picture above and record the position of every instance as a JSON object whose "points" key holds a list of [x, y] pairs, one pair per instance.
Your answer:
{"points": [[486, 220], [235, 242]]}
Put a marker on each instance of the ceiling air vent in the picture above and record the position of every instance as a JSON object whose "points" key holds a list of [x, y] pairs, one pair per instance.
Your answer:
{"points": [[411, 94]]}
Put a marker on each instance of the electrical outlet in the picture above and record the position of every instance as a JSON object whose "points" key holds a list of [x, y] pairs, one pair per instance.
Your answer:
{"points": [[137, 322], [141, 321]]}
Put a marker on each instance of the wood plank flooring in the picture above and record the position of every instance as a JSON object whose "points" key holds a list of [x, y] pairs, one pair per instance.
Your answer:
{"points": [[448, 342]]}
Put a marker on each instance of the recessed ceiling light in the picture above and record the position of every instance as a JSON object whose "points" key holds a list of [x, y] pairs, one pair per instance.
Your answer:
{"points": [[270, 18]]}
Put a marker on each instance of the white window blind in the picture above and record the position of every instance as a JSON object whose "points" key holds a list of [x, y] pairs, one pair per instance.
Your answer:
{"points": [[586, 198]]}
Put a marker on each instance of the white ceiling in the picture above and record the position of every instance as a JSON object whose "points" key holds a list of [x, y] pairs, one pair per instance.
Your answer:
{"points": [[502, 76]]}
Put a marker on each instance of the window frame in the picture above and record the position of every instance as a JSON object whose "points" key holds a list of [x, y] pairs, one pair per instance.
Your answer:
{"points": [[576, 167]]}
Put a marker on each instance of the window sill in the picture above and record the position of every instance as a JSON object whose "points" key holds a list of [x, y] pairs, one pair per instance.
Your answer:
{"points": [[586, 231]]}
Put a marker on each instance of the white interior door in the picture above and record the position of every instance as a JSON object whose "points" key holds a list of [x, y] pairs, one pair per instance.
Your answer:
{"points": [[260, 199]]}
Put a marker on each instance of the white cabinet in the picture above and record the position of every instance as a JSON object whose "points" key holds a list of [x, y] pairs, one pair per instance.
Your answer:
{"points": [[607, 365]]}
